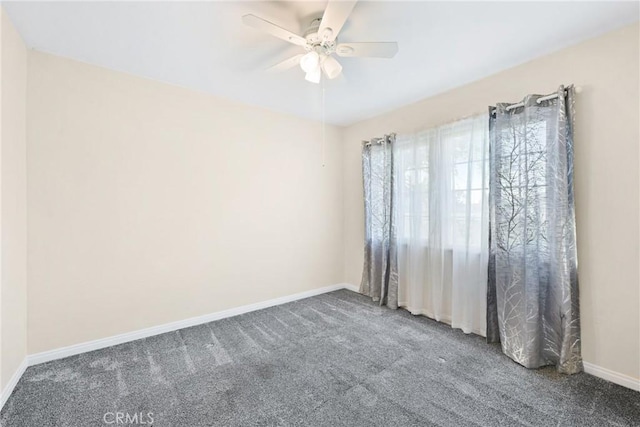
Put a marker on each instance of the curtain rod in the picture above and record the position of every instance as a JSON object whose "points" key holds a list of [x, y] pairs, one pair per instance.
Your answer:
{"points": [[378, 140], [539, 100], [381, 141], [578, 89]]}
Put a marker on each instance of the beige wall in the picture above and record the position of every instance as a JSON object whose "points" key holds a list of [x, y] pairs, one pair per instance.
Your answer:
{"points": [[13, 215], [606, 177], [149, 203]]}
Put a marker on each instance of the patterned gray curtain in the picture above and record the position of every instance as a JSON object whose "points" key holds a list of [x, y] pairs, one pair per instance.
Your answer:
{"points": [[532, 297], [380, 273]]}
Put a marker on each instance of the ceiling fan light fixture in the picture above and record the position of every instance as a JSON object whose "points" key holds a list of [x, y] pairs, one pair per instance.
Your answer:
{"points": [[313, 76], [331, 67], [310, 62]]}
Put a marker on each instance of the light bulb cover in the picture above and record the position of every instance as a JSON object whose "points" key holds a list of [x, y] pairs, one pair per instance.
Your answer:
{"points": [[313, 76], [310, 61], [331, 67]]}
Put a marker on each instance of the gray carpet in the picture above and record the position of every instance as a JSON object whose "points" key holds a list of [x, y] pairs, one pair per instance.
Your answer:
{"points": [[335, 359]]}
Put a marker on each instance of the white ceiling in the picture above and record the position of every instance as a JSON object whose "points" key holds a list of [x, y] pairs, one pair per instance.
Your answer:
{"points": [[204, 45]]}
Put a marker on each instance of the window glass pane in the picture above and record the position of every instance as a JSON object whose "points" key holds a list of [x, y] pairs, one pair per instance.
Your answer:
{"points": [[458, 154], [460, 175]]}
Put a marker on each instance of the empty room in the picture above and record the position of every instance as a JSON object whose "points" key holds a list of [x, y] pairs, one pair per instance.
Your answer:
{"points": [[319, 213]]}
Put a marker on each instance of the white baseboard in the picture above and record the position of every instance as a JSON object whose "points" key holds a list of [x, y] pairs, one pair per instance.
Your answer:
{"points": [[47, 356], [13, 381], [612, 376], [72, 350], [353, 288]]}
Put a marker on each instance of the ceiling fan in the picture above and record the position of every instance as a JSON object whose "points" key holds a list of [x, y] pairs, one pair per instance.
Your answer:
{"points": [[320, 41]]}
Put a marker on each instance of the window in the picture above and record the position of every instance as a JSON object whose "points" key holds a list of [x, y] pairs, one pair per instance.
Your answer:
{"points": [[443, 185]]}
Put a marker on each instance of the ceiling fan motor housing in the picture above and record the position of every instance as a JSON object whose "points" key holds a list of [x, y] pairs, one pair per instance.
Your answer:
{"points": [[315, 41]]}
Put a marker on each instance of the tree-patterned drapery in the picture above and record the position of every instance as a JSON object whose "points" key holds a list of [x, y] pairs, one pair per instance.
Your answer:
{"points": [[380, 272], [532, 297]]}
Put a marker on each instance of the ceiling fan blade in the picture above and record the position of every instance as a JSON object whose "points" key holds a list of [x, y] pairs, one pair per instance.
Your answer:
{"points": [[335, 15], [372, 50], [268, 27], [287, 63]]}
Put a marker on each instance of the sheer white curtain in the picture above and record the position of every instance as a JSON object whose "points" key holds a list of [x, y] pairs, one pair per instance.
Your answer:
{"points": [[442, 219]]}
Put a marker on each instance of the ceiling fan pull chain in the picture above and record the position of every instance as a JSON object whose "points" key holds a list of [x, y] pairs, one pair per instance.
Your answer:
{"points": [[324, 130]]}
